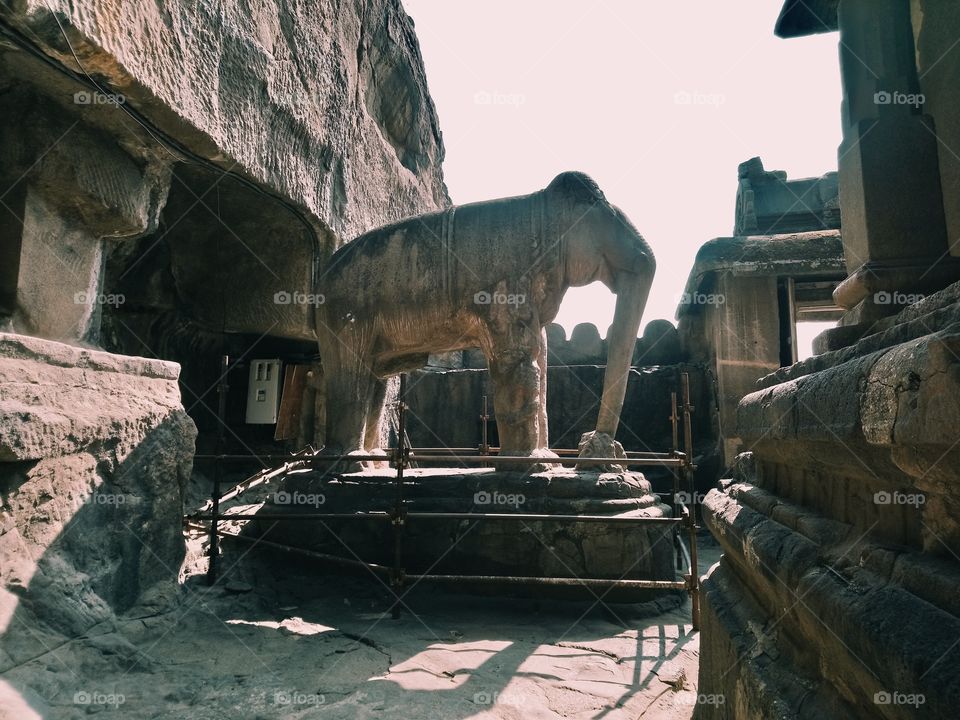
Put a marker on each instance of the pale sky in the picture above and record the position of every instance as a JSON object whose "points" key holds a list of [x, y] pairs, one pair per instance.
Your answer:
{"points": [[657, 101]]}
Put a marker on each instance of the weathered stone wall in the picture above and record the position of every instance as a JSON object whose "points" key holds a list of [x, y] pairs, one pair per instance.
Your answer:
{"points": [[839, 580], [324, 102], [493, 547], [287, 129], [201, 159], [67, 187], [95, 451], [767, 202], [659, 345]]}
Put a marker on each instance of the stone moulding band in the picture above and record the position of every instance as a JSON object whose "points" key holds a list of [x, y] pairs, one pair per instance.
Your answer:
{"points": [[530, 517], [479, 579], [680, 463], [412, 455]]}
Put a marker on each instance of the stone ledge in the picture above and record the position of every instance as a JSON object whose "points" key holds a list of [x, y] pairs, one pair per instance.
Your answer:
{"points": [[765, 255], [57, 354], [872, 635], [58, 400], [884, 399], [95, 450], [931, 579], [492, 546], [884, 422]]}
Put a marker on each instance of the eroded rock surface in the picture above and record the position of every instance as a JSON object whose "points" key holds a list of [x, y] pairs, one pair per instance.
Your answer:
{"points": [[326, 104], [836, 594], [96, 450], [171, 154]]}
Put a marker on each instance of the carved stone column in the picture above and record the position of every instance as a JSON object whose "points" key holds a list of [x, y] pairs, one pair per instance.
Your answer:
{"points": [[894, 232]]}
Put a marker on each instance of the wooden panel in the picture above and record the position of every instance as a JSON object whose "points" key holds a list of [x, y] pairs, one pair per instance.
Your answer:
{"points": [[291, 402]]}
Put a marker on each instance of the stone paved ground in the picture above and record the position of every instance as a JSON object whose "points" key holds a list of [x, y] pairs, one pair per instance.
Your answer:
{"points": [[269, 644]]}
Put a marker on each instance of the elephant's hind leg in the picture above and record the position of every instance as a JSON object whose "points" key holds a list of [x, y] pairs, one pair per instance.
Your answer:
{"points": [[374, 433], [350, 388]]}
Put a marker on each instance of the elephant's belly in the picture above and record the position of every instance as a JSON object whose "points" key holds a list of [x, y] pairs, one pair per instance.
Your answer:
{"points": [[427, 332]]}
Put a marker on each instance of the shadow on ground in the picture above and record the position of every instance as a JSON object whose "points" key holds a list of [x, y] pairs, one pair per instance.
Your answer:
{"points": [[273, 639]]}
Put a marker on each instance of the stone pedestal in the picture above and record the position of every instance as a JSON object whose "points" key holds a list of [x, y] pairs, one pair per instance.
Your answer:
{"points": [[487, 547]]}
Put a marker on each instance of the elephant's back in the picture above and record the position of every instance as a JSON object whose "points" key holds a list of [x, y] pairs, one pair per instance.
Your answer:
{"points": [[392, 256], [453, 253]]}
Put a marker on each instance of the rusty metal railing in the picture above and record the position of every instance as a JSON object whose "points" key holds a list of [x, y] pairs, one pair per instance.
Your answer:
{"points": [[679, 462]]}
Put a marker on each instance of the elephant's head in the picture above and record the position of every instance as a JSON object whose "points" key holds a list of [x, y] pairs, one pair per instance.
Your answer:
{"points": [[600, 243]]}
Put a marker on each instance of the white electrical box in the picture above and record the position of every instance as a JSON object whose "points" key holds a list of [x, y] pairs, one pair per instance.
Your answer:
{"points": [[263, 392]]}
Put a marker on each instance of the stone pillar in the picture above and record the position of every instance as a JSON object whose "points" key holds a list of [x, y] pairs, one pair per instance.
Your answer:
{"points": [[746, 338], [894, 233]]}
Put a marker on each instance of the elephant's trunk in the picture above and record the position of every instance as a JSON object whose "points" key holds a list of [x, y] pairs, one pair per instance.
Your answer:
{"points": [[632, 289]]}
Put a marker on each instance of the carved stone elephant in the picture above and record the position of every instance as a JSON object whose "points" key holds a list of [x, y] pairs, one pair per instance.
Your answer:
{"points": [[489, 275]]}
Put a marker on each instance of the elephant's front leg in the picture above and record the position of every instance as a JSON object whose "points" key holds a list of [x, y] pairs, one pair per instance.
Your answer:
{"points": [[543, 441], [516, 400]]}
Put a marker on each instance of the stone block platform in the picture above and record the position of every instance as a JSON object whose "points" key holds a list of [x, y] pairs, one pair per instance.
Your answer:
{"points": [[485, 547]]}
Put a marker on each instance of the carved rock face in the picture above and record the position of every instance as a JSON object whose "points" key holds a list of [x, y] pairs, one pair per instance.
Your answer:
{"points": [[324, 107]]}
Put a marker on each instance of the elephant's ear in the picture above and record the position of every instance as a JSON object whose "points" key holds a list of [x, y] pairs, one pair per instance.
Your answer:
{"points": [[621, 259]]}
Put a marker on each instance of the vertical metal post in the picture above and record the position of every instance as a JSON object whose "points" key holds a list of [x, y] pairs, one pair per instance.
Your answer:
{"points": [[484, 444], [692, 520], [222, 388], [675, 500], [399, 512]]}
